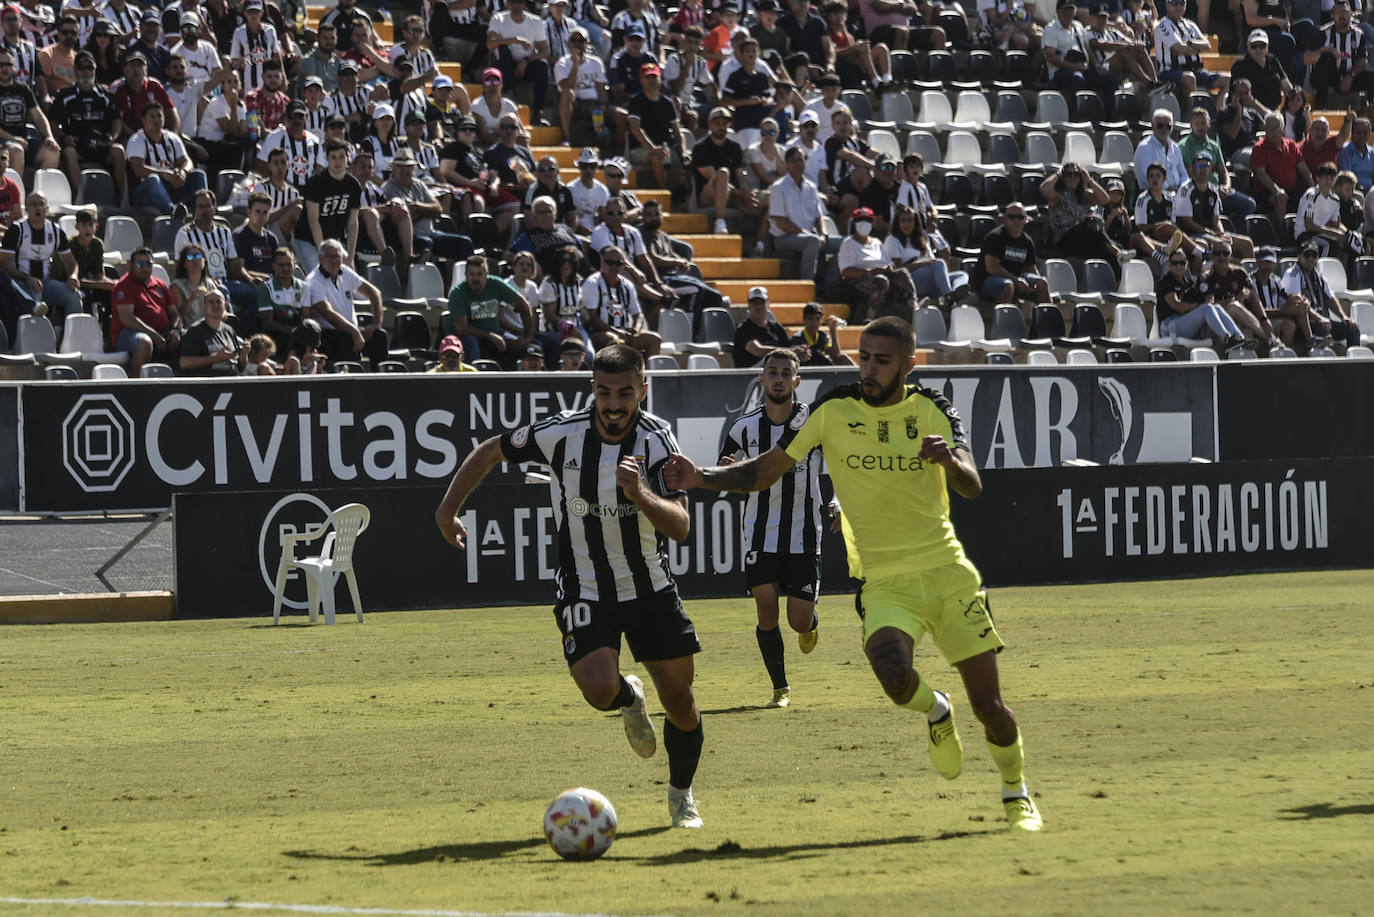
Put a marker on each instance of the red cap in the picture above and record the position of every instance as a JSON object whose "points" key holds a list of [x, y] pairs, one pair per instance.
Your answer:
{"points": [[863, 213], [649, 68]]}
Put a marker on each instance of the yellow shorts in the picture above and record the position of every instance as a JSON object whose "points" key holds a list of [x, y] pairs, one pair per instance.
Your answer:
{"points": [[948, 601]]}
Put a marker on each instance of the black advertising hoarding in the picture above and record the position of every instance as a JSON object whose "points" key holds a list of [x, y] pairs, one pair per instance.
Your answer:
{"points": [[227, 546], [1031, 526], [1311, 409], [1058, 525]]}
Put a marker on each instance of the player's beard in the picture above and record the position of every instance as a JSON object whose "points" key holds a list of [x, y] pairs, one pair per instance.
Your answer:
{"points": [[617, 428], [778, 397], [883, 394]]}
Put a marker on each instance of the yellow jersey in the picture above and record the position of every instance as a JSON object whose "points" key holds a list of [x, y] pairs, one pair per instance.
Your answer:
{"points": [[895, 504]]}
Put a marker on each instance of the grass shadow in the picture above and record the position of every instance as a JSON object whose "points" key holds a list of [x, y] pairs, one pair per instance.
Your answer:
{"points": [[733, 851], [1324, 810], [448, 853]]}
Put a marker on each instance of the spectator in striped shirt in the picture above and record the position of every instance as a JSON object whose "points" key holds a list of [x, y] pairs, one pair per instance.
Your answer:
{"points": [[158, 161], [285, 198]]}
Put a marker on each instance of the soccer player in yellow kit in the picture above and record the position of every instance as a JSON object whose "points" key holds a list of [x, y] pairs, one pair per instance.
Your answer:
{"points": [[892, 450]]}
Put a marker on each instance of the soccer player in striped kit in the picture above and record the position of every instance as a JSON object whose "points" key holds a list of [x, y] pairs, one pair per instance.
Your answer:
{"points": [[782, 525], [614, 518]]}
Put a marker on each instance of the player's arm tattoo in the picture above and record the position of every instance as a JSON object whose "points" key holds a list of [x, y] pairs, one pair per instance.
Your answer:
{"points": [[741, 476]]}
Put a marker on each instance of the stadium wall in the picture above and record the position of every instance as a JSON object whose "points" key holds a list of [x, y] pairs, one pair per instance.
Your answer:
{"points": [[1031, 526]]}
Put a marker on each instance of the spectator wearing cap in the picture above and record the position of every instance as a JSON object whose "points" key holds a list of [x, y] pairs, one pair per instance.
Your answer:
{"points": [[323, 60], [1277, 172], [448, 103], [822, 346], [1069, 57], [461, 166], [1159, 147], [796, 214], [1268, 79], [572, 355], [808, 132], [159, 163], [718, 164], [880, 195], [451, 357], [149, 44], [640, 16], [615, 171], [1357, 156], [758, 332], [406, 91], [1309, 290], [492, 107], [623, 75], [558, 29], [655, 137], [304, 153], [1286, 317], [1179, 45], [582, 89], [1237, 205], [426, 157], [1197, 208], [422, 209], [105, 51], [270, 99], [532, 358], [869, 282], [589, 195], [383, 138], [203, 68], [253, 45], [1008, 268], [87, 119], [513, 165], [522, 52], [548, 184], [352, 101]]}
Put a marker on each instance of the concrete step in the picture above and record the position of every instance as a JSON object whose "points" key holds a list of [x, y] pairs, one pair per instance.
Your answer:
{"points": [[761, 269], [454, 71], [783, 291], [675, 223], [709, 246]]}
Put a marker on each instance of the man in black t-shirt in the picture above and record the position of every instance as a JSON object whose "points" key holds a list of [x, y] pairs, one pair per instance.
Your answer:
{"points": [[808, 34], [718, 163], [654, 134], [1008, 270], [210, 347], [750, 90], [881, 194], [251, 265], [22, 119], [332, 199], [757, 333], [88, 118]]}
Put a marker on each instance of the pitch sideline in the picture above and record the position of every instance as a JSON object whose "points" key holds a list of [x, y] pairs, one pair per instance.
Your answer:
{"points": [[234, 904]]}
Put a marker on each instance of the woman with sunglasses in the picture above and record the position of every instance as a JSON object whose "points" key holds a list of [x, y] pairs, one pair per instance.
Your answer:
{"points": [[560, 296], [764, 164], [492, 107], [102, 47], [383, 140], [1072, 194], [1182, 312], [460, 164], [191, 284]]}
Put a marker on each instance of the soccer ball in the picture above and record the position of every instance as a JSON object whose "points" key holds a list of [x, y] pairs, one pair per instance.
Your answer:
{"points": [[580, 824]]}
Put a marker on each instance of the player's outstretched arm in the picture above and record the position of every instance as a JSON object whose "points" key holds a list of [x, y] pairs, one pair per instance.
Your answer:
{"points": [[465, 480], [667, 514], [758, 473], [959, 466]]}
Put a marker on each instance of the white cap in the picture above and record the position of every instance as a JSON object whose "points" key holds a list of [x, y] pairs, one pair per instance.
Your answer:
{"points": [[758, 293], [589, 154], [383, 111]]}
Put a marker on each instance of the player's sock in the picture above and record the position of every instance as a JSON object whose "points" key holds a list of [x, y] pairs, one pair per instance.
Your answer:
{"points": [[684, 751], [1011, 761], [770, 647], [625, 698], [924, 699]]}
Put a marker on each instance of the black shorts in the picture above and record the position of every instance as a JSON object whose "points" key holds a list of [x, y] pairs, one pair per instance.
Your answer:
{"points": [[655, 627], [797, 575], [92, 147]]}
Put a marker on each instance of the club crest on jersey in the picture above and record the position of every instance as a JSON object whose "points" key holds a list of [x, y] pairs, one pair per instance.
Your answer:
{"points": [[520, 437], [799, 418], [911, 431], [882, 431]]}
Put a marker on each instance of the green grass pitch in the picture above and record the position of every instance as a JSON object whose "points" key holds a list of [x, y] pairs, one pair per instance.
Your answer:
{"points": [[1194, 745]]}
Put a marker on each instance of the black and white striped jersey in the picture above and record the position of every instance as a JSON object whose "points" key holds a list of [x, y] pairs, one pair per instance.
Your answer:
{"points": [[255, 50], [1349, 46], [217, 241], [1270, 292], [1168, 35], [786, 518], [25, 60], [33, 249], [607, 550], [281, 197], [304, 156]]}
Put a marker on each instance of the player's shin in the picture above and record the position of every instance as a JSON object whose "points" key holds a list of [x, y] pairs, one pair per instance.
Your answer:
{"points": [[684, 752], [770, 648]]}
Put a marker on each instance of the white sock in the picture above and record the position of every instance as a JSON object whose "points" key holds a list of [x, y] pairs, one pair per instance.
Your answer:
{"points": [[1200, 251], [940, 710], [1014, 792]]}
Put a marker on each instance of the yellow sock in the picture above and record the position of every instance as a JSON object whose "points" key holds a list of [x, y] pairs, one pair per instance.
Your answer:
{"points": [[1011, 761], [924, 698]]}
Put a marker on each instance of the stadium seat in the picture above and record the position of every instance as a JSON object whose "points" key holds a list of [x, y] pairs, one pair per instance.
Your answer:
{"points": [[661, 361], [410, 337], [1118, 355], [1048, 322], [1051, 108], [1061, 277], [905, 68], [425, 282], [1362, 314], [1162, 355], [949, 228], [936, 112], [122, 236], [980, 224], [224, 185], [1087, 106], [1242, 353], [1137, 283], [998, 358], [1333, 269], [675, 328], [884, 141], [352, 367], [958, 190], [1126, 107], [1089, 322], [340, 533], [1078, 148], [702, 361], [972, 111], [1040, 154], [896, 107], [997, 191], [1129, 322], [924, 143], [163, 237], [1002, 150], [1203, 355], [1041, 358], [717, 327], [940, 67], [1011, 109], [1260, 230], [1359, 352], [1030, 189], [1098, 280], [1009, 324], [98, 189], [1283, 352], [60, 374], [964, 154], [108, 371], [37, 336], [1118, 154], [155, 371], [929, 324], [392, 366], [1080, 356], [54, 185], [1203, 100], [160, 273], [81, 336], [982, 65], [1018, 67], [1364, 272]]}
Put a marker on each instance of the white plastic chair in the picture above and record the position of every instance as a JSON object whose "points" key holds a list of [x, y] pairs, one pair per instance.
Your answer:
{"points": [[1362, 314], [884, 141], [702, 361], [122, 236], [1078, 148], [81, 335], [972, 111], [340, 532], [1041, 358], [675, 328], [54, 185], [108, 371], [155, 371], [1203, 355], [1080, 356], [1359, 352]]}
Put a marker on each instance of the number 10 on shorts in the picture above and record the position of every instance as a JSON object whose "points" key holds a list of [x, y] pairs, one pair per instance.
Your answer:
{"points": [[578, 614]]}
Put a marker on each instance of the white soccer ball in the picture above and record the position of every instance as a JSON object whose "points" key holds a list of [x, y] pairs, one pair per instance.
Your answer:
{"points": [[580, 824]]}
